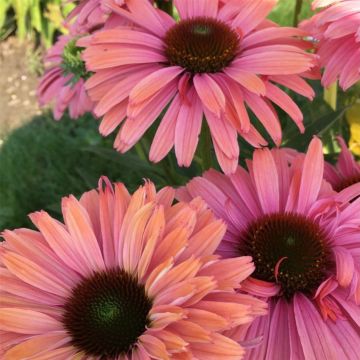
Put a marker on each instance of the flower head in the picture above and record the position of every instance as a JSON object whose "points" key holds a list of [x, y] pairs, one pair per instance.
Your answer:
{"points": [[91, 15], [337, 29], [87, 16], [126, 277], [304, 240], [346, 172], [63, 82], [216, 61]]}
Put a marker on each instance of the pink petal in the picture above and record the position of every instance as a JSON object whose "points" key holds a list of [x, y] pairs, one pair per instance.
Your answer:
{"points": [[278, 345], [210, 93], [224, 134], [296, 350], [312, 176], [141, 13], [153, 83], [134, 237], [80, 229], [148, 111], [165, 134], [268, 191], [247, 79], [220, 346], [268, 34], [188, 127], [285, 102], [195, 8], [315, 337], [266, 115], [274, 60], [208, 191], [295, 83], [154, 347], [246, 190], [37, 345], [205, 241], [227, 164], [344, 266], [33, 274], [251, 13], [59, 241], [347, 336], [236, 111], [127, 36], [99, 57], [19, 288], [27, 321], [113, 118]]}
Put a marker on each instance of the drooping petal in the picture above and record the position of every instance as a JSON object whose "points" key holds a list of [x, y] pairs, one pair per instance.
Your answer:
{"points": [[312, 175], [188, 127], [314, 334], [268, 191]]}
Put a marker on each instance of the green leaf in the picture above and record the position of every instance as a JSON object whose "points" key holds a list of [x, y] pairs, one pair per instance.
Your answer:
{"points": [[35, 12], [318, 126], [21, 8], [127, 161]]}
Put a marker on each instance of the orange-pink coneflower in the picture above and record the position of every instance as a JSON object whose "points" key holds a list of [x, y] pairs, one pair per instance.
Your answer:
{"points": [[124, 278]]}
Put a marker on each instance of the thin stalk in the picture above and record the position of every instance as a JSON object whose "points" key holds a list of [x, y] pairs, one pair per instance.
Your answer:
{"points": [[297, 12], [206, 148], [140, 152]]}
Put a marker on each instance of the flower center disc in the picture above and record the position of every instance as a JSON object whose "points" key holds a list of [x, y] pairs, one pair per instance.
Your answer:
{"points": [[201, 45], [106, 314], [289, 249]]}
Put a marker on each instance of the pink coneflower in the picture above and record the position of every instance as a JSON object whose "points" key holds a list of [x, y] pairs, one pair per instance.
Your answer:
{"points": [[346, 172], [91, 15], [125, 278], [213, 62], [304, 240], [87, 15], [337, 28], [63, 82]]}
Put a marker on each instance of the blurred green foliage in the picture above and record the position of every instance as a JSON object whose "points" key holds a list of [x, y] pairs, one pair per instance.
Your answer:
{"points": [[45, 160], [41, 18], [285, 12]]}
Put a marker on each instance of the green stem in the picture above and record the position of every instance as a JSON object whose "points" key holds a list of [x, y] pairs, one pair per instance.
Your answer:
{"points": [[205, 149], [165, 5], [140, 151], [297, 12], [168, 170]]}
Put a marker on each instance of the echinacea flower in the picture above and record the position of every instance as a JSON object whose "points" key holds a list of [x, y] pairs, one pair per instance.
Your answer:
{"points": [[63, 81], [216, 61], [91, 15], [125, 278], [346, 172], [337, 29], [305, 242], [87, 15]]}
